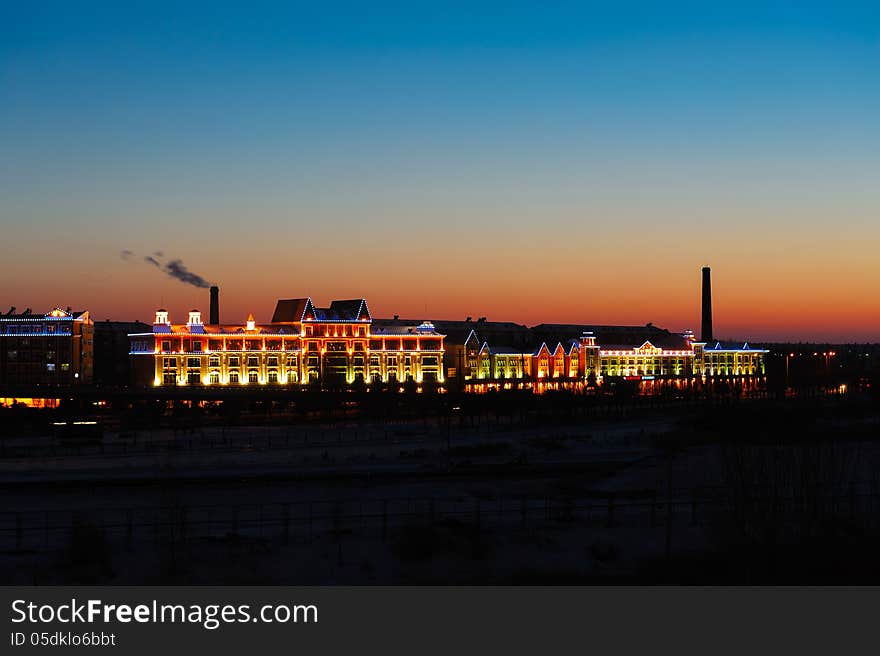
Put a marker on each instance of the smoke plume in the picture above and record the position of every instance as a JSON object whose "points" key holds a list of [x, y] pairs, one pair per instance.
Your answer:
{"points": [[174, 268]]}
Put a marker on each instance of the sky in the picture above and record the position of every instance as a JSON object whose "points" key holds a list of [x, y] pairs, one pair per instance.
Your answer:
{"points": [[524, 161]]}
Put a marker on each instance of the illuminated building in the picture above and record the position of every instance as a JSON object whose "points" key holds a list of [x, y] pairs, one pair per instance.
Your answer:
{"points": [[574, 362], [302, 345], [604, 353], [342, 345], [726, 359], [54, 349], [402, 353]]}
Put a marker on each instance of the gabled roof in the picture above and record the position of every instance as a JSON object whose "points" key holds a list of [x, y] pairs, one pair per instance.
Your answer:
{"points": [[347, 310], [354, 309], [291, 310], [542, 347], [471, 334], [731, 346]]}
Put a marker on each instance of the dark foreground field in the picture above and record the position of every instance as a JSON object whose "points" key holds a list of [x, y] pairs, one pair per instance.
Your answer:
{"points": [[747, 491]]}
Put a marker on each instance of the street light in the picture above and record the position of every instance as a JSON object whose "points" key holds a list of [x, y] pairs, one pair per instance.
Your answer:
{"points": [[787, 357]]}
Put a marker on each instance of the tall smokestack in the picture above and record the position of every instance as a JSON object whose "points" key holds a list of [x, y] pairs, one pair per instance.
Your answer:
{"points": [[215, 306], [706, 333]]}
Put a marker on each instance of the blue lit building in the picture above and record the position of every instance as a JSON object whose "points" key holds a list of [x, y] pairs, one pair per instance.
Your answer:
{"points": [[54, 349]]}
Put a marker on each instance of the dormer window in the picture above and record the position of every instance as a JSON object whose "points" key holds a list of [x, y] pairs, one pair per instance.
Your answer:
{"points": [[251, 324], [195, 318], [161, 317]]}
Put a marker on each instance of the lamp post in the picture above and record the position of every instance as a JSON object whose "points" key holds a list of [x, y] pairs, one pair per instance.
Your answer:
{"points": [[787, 357]]}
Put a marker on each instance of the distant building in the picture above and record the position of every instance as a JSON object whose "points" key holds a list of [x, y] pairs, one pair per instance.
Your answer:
{"points": [[52, 349], [512, 335], [343, 344], [112, 365], [303, 344]]}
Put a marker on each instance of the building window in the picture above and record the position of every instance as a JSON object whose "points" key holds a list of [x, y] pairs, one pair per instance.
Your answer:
{"points": [[166, 345], [273, 376], [253, 377], [233, 361], [233, 376], [214, 378]]}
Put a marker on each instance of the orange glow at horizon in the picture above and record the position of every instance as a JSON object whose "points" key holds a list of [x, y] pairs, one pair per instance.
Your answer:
{"points": [[749, 302], [807, 286]]}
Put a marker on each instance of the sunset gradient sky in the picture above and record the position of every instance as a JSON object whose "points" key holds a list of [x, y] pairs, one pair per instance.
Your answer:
{"points": [[533, 162]]}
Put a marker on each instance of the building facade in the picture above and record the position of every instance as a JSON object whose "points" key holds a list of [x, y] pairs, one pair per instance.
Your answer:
{"points": [[112, 364], [342, 345], [302, 345], [51, 349], [585, 361]]}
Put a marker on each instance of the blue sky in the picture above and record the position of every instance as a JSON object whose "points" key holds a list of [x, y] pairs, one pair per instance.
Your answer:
{"points": [[218, 129]]}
